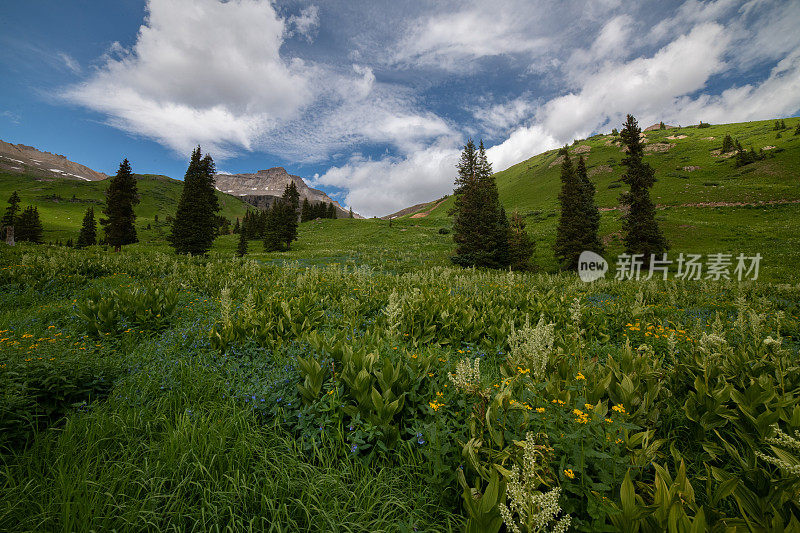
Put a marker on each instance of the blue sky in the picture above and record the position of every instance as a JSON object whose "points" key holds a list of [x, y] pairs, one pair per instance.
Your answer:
{"points": [[371, 101]]}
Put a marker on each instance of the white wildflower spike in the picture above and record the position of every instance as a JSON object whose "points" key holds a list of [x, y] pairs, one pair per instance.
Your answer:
{"points": [[467, 376], [531, 346], [528, 509]]}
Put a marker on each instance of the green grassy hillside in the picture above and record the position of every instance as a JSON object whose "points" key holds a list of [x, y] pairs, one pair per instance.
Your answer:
{"points": [[63, 202], [697, 192]]}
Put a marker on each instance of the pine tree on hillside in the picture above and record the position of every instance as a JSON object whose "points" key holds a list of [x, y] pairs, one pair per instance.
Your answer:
{"points": [[569, 234], [589, 211], [641, 232], [10, 216], [662, 126], [520, 244], [480, 226], [289, 212], [727, 144], [28, 226], [241, 248], [195, 224], [350, 214], [121, 196], [783, 124], [237, 228], [797, 129], [331, 211], [88, 233], [305, 211], [273, 228]]}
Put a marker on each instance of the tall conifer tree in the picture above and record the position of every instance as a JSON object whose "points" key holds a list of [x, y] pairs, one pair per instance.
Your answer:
{"points": [[195, 224], [88, 234], [520, 244], [640, 228], [569, 234], [305, 211], [589, 211], [480, 226], [28, 226], [241, 248], [289, 213], [121, 196], [10, 216]]}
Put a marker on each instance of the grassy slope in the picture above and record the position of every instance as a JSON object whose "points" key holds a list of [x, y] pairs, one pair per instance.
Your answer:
{"points": [[61, 215], [532, 187]]}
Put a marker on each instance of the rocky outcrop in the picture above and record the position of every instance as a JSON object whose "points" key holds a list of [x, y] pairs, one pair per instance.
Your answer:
{"points": [[265, 186], [19, 158]]}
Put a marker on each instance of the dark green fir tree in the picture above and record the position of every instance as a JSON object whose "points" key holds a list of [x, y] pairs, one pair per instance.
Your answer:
{"points": [[569, 233], [480, 226], [241, 247], [641, 234], [289, 213], [10, 216], [88, 233], [273, 228], [28, 226], [589, 210], [121, 196], [305, 211], [195, 224], [520, 244], [331, 213]]}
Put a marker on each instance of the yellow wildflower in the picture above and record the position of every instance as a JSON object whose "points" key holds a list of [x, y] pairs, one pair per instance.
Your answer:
{"points": [[569, 473]]}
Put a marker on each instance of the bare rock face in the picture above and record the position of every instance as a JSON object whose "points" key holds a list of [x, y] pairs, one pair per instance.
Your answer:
{"points": [[265, 186], [18, 158]]}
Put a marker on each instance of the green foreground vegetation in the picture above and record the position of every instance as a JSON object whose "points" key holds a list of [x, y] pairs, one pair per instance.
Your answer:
{"points": [[142, 390], [360, 382]]}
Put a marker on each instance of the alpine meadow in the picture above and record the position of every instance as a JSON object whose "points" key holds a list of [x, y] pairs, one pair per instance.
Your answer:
{"points": [[520, 267]]}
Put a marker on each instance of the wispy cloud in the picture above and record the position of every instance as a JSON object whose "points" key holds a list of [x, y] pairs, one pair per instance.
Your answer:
{"points": [[70, 62]]}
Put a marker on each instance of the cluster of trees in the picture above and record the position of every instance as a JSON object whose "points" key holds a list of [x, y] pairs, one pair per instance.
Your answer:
{"points": [[779, 125], [277, 226], [26, 223], [485, 237], [579, 223], [481, 230], [316, 210]]}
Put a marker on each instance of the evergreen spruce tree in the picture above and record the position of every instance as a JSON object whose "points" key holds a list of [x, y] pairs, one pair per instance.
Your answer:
{"points": [[88, 233], [797, 129], [121, 196], [237, 228], [305, 211], [662, 126], [480, 226], [28, 226], [273, 228], [195, 224], [350, 214], [10, 216], [783, 124], [727, 144], [589, 211], [289, 212], [331, 210], [241, 248], [520, 244], [569, 234], [777, 125], [641, 232]]}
